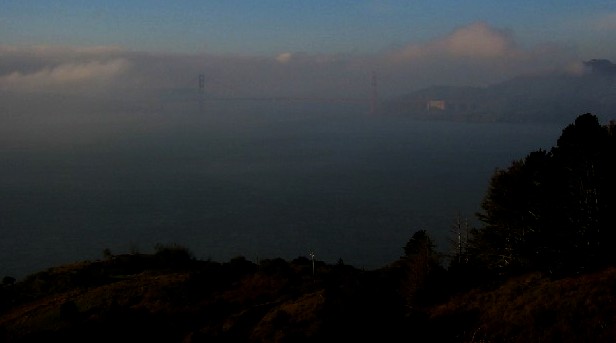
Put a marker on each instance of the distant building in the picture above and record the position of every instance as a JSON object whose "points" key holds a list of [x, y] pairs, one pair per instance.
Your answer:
{"points": [[436, 105]]}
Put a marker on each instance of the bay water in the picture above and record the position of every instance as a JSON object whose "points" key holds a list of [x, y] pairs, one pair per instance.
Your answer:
{"points": [[253, 179]]}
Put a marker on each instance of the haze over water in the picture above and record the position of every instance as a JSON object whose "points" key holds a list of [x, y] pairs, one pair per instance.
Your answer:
{"points": [[101, 147], [257, 179]]}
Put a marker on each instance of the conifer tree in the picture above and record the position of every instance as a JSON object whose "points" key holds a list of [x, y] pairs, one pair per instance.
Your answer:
{"points": [[553, 211]]}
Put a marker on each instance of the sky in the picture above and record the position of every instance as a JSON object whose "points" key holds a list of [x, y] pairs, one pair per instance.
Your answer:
{"points": [[278, 47]]}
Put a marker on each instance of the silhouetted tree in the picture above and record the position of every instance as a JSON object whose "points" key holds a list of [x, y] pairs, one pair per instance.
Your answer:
{"points": [[419, 244], [420, 263], [552, 210], [173, 255], [513, 212], [586, 161], [8, 281]]}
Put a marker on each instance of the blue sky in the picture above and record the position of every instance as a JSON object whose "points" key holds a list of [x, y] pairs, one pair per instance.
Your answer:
{"points": [[268, 27], [278, 47]]}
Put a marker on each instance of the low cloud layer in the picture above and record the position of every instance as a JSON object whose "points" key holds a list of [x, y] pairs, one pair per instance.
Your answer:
{"points": [[476, 54], [66, 75], [58, 68]]}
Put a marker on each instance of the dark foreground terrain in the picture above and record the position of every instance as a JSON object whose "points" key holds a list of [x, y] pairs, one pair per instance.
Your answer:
{"points": [[170, 297]]}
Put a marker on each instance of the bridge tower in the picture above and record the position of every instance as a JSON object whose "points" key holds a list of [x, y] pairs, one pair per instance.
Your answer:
{"points": [[201, 91], [201, 83], [374, 97]]}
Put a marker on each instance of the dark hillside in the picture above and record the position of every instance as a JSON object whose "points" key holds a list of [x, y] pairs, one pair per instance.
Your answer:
{"points": [[532, 308], [143, 297], [280, 301]]}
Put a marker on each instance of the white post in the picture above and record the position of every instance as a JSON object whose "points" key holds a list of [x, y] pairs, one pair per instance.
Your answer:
{"points": [[312, 258]]}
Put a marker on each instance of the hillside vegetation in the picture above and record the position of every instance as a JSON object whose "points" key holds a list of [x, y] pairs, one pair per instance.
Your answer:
{"points": [[280, 301]]}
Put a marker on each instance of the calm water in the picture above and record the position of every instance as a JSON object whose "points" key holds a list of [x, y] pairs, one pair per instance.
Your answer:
{"points": [[257, 180]]}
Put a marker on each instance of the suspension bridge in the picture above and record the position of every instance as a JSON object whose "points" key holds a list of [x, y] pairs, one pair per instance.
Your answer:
{"points": [[372, 101]]}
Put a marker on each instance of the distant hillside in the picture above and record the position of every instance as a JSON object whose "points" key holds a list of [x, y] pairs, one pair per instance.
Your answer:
{"points": [[535, 98]]}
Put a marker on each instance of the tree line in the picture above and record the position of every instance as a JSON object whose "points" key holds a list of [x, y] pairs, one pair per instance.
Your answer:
{"points": [[551, 211]]}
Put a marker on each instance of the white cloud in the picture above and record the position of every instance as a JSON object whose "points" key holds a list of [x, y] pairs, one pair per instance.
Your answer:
{"points": [[65, 74], [477, 40], [476, 54], [60, 68], [284, 57]]}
